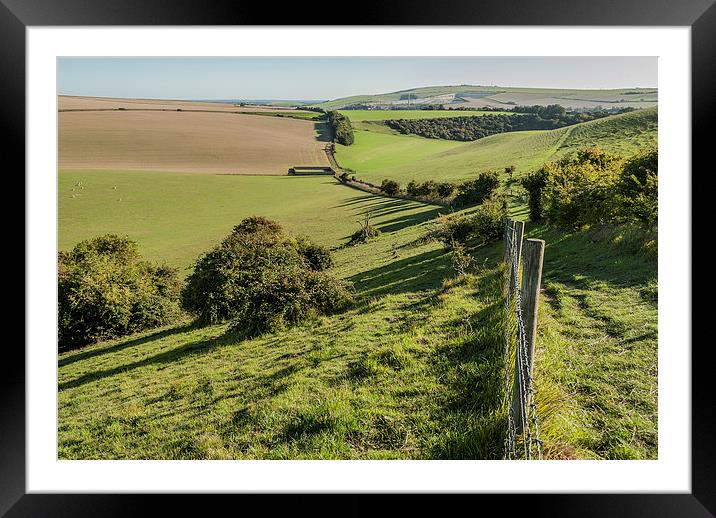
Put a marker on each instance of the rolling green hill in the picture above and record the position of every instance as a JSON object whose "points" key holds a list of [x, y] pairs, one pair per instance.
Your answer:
{"points": [[376, 156], [414, 370]]}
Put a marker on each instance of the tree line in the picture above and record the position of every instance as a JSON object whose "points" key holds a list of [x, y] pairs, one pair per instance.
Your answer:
{"points": [[341, 126], [476, 127]]}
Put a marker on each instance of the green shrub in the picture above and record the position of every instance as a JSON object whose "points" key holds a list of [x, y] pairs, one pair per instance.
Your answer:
{"points": [[533, 184], [366, 232], [319, 257], [105, 290], [264, 279], [488, 220], [474, 192], [450, 229], [637, 189], [445, 189], [428, 189], [390, 187], [484, 225], [579, 190], [341, 126]]}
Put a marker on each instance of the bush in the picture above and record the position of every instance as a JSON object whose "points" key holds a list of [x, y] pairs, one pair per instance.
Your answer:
{"points": [[484, 225], [488, 220], [637, 189], [579, 190], [411, 188], [366, 232], [264, 279], [390, 187], [534, 183], [319, 257], [445, 189], [105, 290], [452, 229], [476, 191], [595, 187]]}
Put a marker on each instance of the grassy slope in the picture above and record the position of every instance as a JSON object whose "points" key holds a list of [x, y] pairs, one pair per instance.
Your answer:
{"points": [[597, 368], [197, 211], [404, 157], [413, 371]]}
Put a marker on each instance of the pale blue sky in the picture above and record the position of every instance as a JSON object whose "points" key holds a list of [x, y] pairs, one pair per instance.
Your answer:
{"points": [[329, 78]]}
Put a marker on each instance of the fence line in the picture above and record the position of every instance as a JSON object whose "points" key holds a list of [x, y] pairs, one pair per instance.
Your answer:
{"points": [[521, 305]]}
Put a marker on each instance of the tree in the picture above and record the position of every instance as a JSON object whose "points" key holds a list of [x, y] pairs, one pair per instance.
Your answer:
{"points": [[390, 187]]}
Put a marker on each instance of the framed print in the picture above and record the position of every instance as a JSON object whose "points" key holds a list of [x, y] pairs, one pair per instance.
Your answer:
{"points": [[410, 253]]}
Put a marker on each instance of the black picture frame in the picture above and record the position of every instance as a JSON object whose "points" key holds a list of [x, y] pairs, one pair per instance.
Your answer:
{"points": [[700, 15]]}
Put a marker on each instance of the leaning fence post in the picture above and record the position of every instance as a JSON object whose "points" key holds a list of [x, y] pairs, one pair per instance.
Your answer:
{"points": [[532, 259]]}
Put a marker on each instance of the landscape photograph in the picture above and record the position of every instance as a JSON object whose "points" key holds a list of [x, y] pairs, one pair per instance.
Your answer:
{"points": [[357, 258]]}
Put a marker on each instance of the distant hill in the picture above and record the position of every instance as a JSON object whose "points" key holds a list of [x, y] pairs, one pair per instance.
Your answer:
{"points": [[381, 154], [471, 96]]}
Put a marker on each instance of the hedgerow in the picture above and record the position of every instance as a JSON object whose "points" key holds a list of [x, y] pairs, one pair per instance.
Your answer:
{"points": [[595, 187]]}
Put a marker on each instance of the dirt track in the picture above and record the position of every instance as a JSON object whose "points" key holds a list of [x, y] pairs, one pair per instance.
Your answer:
{"points": [[184, 141]]}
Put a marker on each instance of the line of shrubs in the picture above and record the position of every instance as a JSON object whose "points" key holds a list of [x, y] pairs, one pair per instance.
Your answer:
{"points": [[260, 278], [341, 126], [595, 187], [464, 194]]}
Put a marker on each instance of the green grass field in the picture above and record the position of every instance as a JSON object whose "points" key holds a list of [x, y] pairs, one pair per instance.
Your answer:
{"points": [[375, 156], [197, 211], [381, 115], [415, 369]]}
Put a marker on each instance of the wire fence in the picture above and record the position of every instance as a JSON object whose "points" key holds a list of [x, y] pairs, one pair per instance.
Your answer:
{"points": [[522, 440]]}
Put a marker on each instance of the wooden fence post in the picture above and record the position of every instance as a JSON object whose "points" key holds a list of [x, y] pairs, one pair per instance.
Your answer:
{"points": [[514, 232], [532, 259], [507, 237]]}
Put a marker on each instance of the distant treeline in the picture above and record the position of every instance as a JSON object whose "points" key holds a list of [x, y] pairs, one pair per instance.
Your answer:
{"points": [[477, 127], [341, 126]]}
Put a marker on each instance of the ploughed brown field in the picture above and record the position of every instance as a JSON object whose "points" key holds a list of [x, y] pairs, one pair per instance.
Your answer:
{"points": [[68, 102], [204, 142]]}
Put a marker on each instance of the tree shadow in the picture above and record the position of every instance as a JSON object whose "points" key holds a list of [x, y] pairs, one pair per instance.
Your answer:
{"points": [[416, 273], [324, 132], [410, 220], [132, 342], [158, 359], [579, 258]]}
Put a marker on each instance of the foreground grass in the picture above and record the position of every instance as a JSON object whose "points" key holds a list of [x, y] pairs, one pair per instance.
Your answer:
{"points": [[413, 371], [598, 336]]}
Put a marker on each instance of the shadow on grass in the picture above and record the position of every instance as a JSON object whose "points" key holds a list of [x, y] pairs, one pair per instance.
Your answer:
{"points": [[162, 358], [416, 273], [585, 257], [132, 342]]}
